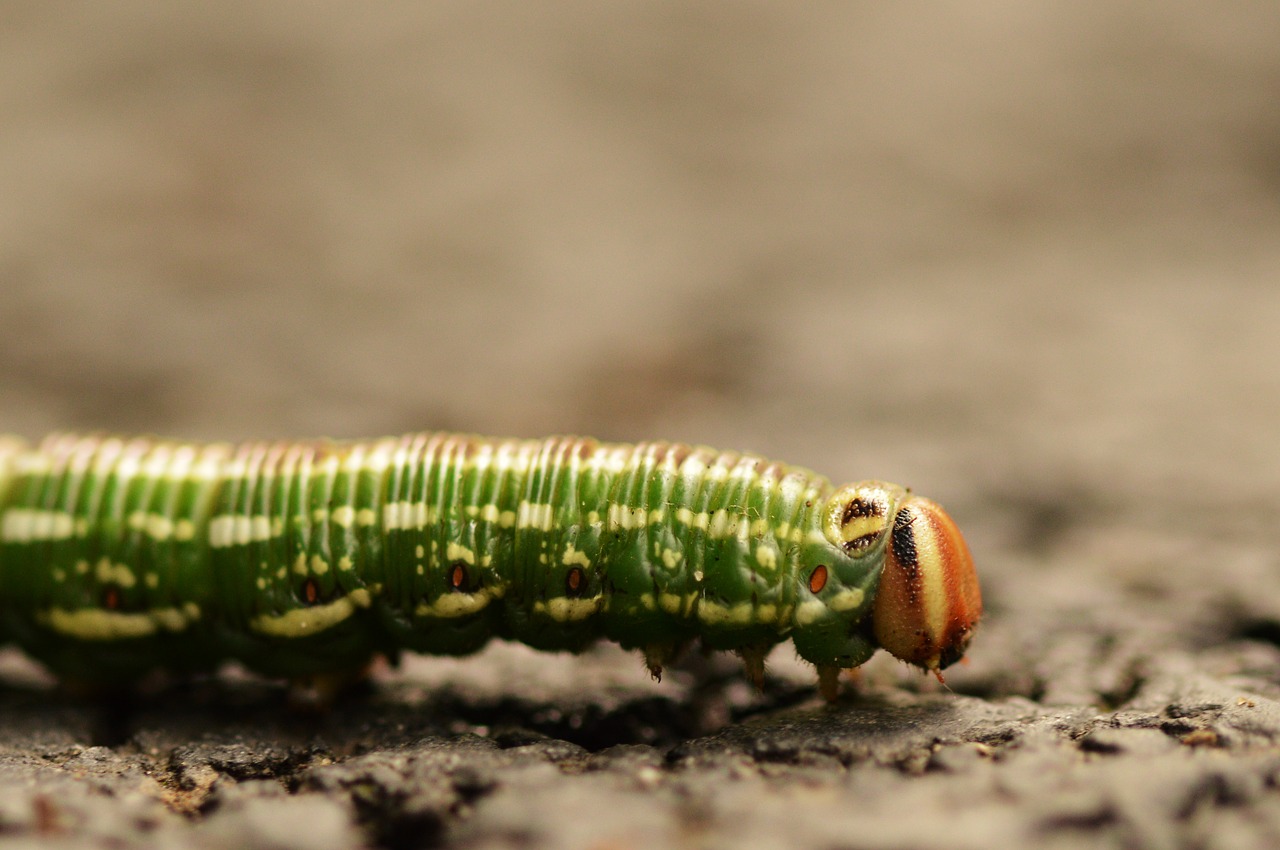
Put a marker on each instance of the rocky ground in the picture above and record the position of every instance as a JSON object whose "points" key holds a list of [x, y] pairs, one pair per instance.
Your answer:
{"points": [[1023, 260]]}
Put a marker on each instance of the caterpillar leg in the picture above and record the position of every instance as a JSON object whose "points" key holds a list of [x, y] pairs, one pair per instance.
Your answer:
{"points": [[660, 655]]}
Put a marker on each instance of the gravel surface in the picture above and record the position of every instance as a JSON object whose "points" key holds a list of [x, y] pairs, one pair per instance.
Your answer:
{"points": [[1023, 260]]}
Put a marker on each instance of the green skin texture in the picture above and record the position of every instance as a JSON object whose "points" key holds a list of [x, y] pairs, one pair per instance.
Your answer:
{"points": [[89, 531]]}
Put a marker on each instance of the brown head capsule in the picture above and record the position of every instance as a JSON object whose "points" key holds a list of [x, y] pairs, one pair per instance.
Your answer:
{"points": [[928, 602]]}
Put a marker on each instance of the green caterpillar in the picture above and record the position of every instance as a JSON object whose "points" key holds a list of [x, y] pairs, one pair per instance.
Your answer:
{"points": [[120, 555]]}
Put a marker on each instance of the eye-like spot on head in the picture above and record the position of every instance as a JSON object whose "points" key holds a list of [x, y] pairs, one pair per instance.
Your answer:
{"points": [[858, 515], [575, 582], [818, 579], [458, 576], [858, 507]]}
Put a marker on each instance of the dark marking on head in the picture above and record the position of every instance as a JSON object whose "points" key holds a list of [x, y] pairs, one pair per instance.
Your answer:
{"points": [[458, 577], [818, 579], [575, 583], [310, 591], [859, 508], [904, 542], [861, 542]]}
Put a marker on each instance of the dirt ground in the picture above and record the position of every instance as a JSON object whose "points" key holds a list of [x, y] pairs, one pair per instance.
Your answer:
{"points": [[1022, 259]]}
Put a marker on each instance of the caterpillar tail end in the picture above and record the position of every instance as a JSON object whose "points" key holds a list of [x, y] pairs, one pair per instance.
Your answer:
{"points": [[928, 603]]}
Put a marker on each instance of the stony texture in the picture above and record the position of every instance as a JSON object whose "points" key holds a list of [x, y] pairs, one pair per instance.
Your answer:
{"points": [[1023, 260]]}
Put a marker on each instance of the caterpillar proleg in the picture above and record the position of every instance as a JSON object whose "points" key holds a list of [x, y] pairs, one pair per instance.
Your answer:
{"points": [[119, 555]]}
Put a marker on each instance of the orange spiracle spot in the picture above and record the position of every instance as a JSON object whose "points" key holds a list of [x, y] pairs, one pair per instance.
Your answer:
{"points": [[818, 579], [111, 598], [310, 591], [928, 602], [574, 581], [458, 576]]}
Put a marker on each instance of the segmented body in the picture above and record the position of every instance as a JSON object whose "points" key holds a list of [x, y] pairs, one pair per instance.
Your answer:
{"points": [[118, 555]]}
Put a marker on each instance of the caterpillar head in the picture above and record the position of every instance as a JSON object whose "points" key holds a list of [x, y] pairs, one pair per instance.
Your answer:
{"points": [[928, 602], [905, 556]]}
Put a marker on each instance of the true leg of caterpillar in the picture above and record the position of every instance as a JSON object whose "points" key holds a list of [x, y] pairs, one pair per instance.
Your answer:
{"points": [[753, 663], [829, 681], [660, 655]]}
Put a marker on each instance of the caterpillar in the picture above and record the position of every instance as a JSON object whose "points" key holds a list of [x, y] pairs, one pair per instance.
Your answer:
{"points": [[119, 555]]}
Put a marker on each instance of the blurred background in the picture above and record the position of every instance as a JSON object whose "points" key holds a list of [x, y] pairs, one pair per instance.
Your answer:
{"points": [[1022, 258]]}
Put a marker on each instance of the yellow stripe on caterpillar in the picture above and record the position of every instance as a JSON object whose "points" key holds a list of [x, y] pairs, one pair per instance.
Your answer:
{"points": [[302, 622], [96, 624]]}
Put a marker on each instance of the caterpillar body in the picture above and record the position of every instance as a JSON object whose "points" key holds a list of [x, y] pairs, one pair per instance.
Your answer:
{"points": [[119, 555]]}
